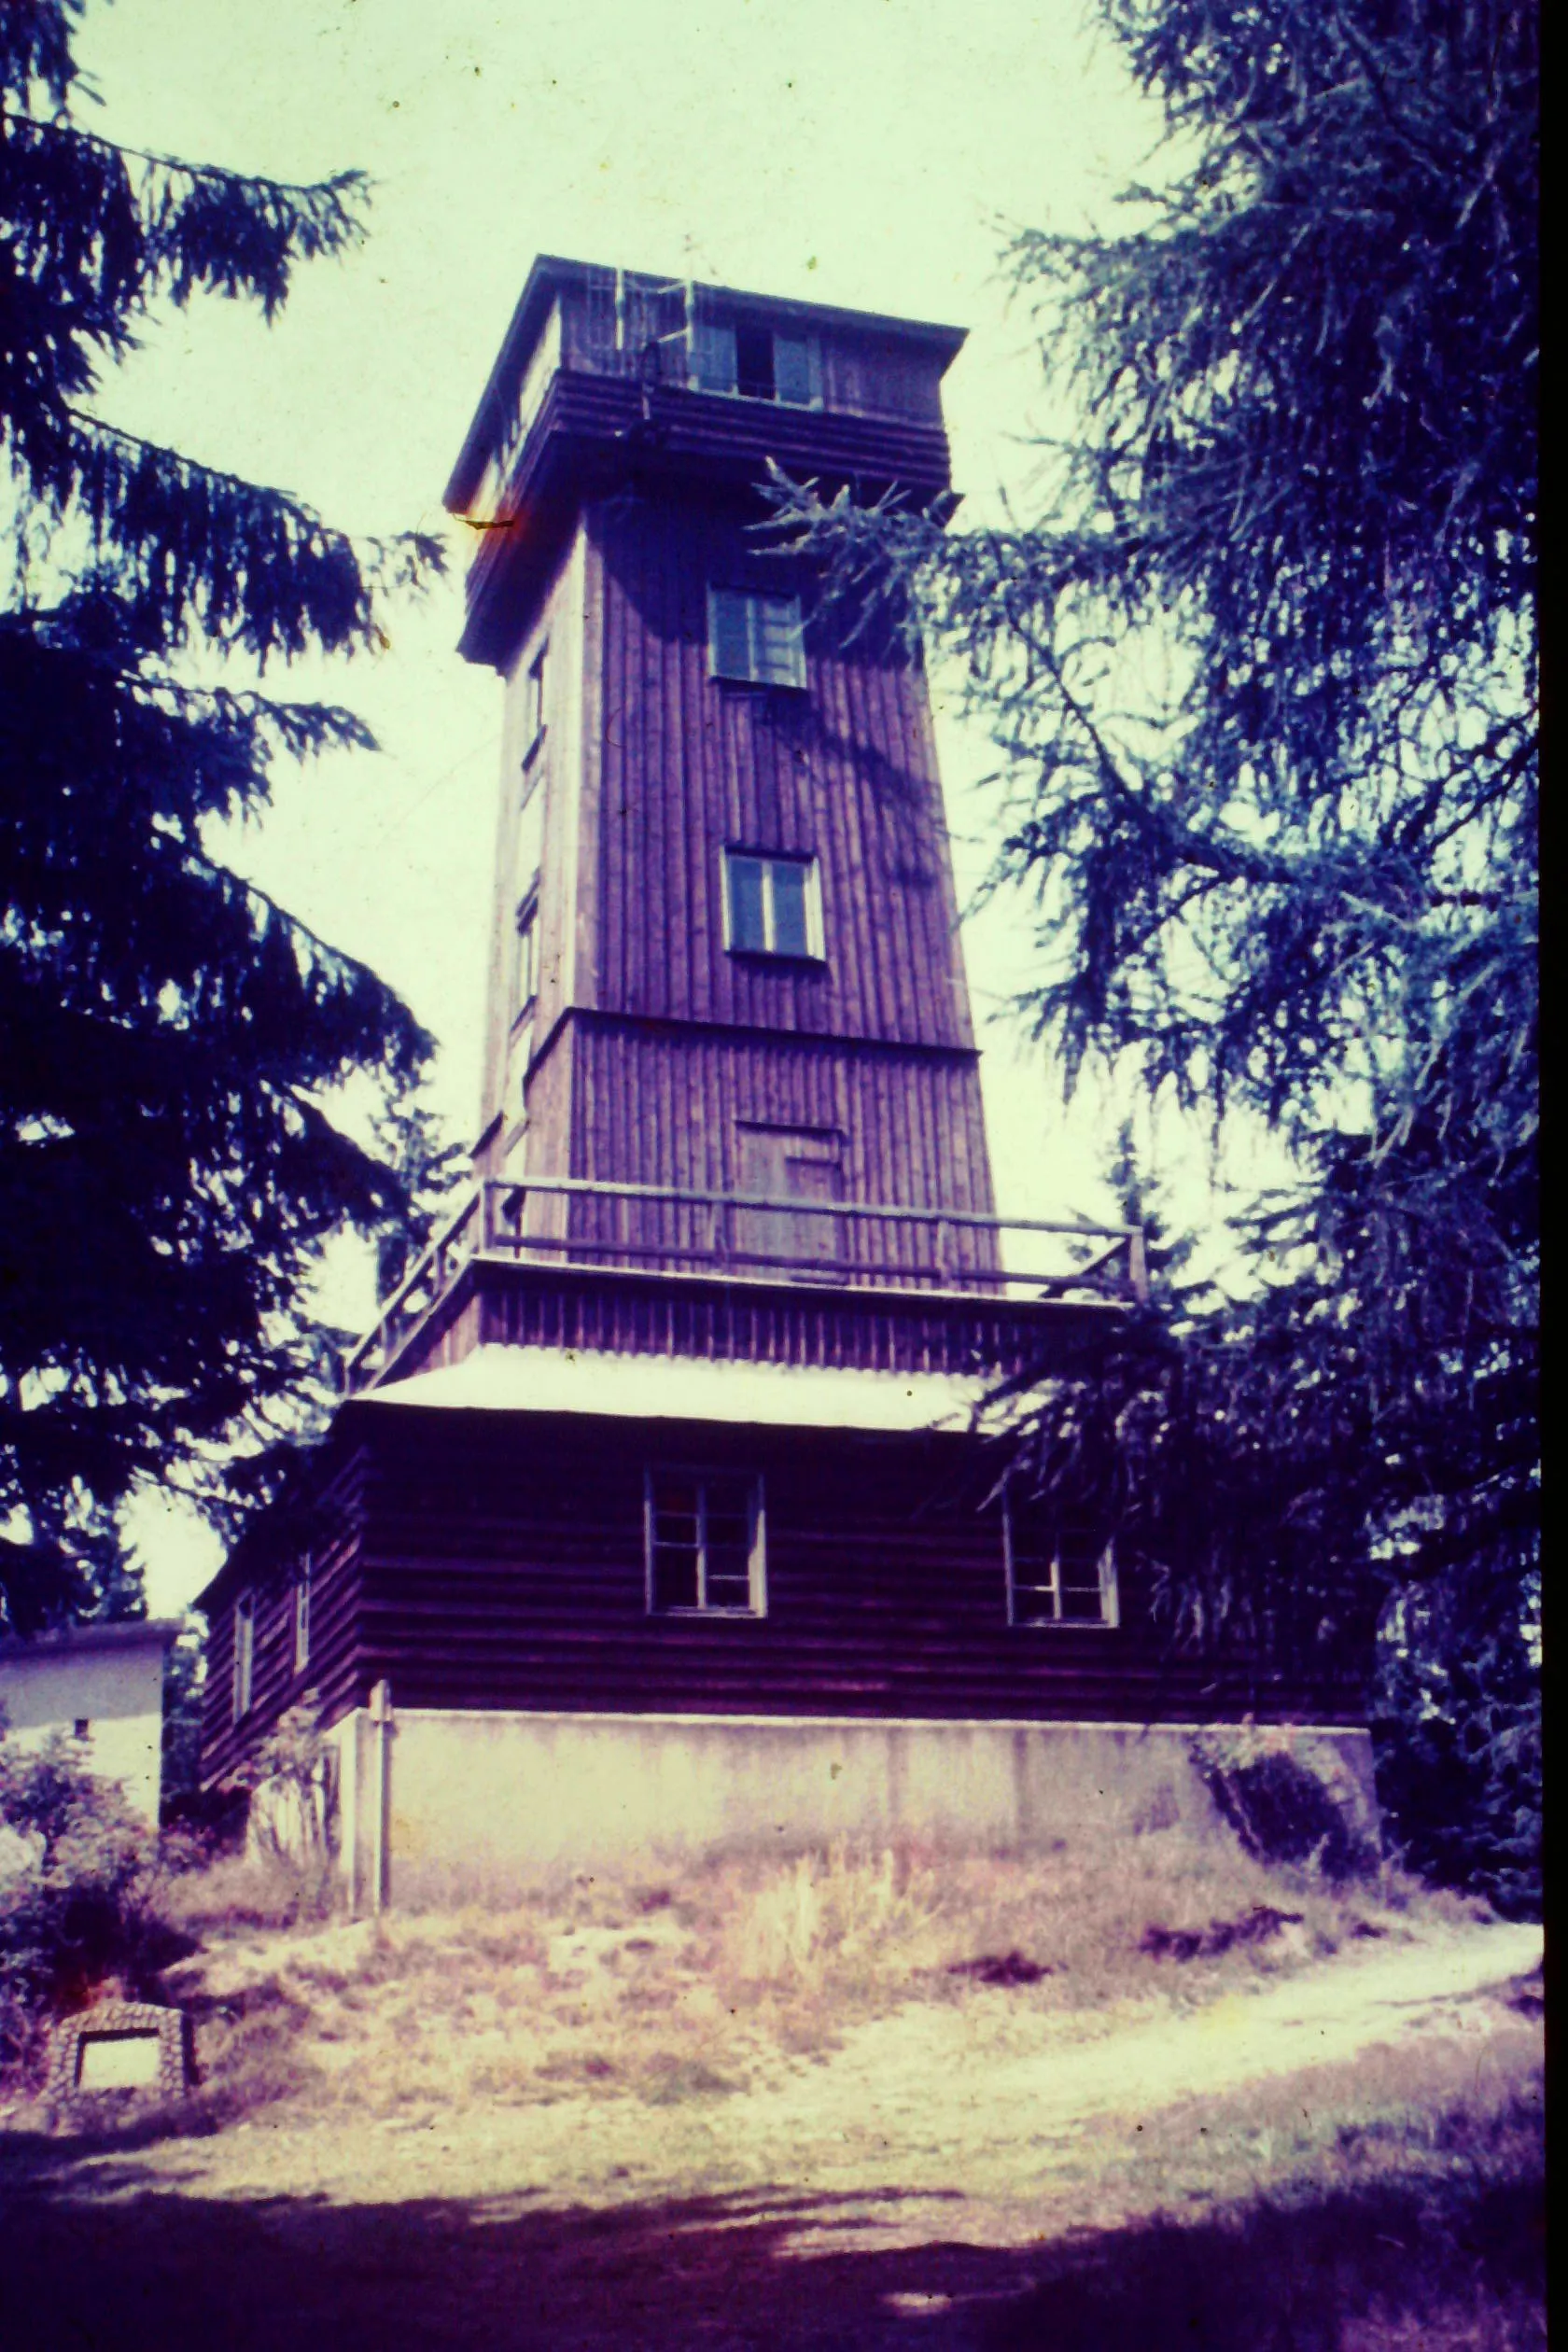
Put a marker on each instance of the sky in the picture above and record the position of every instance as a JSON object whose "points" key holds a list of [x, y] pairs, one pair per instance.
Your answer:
{"points": [[863, 152]]}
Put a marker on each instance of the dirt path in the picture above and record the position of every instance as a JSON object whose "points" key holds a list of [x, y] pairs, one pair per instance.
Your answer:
{"points": [[881, 2086]]}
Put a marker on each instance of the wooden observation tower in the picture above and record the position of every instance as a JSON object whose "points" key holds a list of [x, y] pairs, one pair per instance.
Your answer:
{"points": [[656, 1509]]}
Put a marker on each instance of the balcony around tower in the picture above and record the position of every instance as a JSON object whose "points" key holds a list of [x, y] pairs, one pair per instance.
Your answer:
{"points": [[676, 1271]]}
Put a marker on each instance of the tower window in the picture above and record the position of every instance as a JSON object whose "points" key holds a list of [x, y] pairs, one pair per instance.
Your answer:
{"points": [[530, 841], [741, 356], [1061, 1570], [527, 956], [533, 704], [705, 1542], [244, 1652], [756, 640], [772, 906]]}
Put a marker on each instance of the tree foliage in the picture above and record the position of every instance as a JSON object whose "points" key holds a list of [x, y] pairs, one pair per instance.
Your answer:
{"points": [[170, 1164], [1262, 668]]}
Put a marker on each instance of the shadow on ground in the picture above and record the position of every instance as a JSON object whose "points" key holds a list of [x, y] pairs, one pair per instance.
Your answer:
{"points": [[114, 2260]]}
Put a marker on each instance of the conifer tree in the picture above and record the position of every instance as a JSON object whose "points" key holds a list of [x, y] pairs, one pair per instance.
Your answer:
{"points": [[1260, 666], [170, 1163]]}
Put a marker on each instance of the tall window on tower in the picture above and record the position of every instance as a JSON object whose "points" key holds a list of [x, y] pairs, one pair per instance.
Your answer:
{"points": [[533, 704], [773, 906], [525, 872], [755, 640], [705, 1542]]}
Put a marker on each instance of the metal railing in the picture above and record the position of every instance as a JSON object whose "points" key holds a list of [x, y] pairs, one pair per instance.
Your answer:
{"points": [[868, 1246]]}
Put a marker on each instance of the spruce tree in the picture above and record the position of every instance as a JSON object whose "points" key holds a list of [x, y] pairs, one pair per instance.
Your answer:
{"points": [[170, 1162], [1261, 664]]}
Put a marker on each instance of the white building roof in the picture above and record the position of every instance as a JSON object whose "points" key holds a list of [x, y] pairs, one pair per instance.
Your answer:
{"points": [[496, 1379], [96, 1633]]}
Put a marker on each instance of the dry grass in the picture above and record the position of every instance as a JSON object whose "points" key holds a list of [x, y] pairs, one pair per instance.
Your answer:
{"points": [[667, 1991]]}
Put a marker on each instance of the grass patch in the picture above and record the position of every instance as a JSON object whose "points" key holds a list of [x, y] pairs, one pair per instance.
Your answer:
{"points": [[621, 1987]]}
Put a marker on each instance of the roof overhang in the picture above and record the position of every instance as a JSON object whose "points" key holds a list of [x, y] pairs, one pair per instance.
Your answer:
{"points": [[117, 1633], [502, 1378]]}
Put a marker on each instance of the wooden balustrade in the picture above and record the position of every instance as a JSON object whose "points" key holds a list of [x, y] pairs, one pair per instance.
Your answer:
{"points": [[870, 1246]]}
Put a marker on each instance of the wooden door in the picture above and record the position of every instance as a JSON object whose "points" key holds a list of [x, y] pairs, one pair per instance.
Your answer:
{"points": [[785, 1164]]}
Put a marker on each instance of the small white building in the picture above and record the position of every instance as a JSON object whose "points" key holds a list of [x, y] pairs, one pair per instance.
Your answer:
{"points": [[103, 1686]]}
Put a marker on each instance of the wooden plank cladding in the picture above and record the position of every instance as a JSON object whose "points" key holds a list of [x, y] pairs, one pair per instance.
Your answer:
{"points": [[323, 1540], [592, 437], [721, 1318], [686, 766], [499, 1561]]}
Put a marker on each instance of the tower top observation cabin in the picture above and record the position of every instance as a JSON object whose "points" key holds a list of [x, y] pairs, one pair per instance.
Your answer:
{"points": [[731, 1101]]}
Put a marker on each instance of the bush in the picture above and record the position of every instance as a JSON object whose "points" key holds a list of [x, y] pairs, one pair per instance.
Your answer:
{"points": [[293, 1824], [76, 1876], [1279, 1808]]}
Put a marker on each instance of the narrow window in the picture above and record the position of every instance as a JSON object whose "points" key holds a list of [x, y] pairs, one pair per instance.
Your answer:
{"points": [[755, 640], [772, 906], [533, 704], [302, 1617], [526, 987], [754, 363], [82, 1728], [244, 1652], [530, 841], [1060, 1568], [705, 1542]]}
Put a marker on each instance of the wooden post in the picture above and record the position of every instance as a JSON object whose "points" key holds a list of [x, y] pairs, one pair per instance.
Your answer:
{"points": [[1137, 1267], [381, 1797]]}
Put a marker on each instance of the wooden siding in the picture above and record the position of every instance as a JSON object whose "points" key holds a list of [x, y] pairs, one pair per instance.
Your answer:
{"points": [[500, 1564], [662, 1104], [684, 765], [721, 1320], [591, 437], [332, 1672]]}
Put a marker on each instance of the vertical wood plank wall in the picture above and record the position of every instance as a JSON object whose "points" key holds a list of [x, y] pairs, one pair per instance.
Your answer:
{"points": [[687, 765], [654, 1042]]}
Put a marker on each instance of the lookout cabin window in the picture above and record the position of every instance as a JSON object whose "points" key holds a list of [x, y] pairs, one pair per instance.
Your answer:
{"points": [[244, 1652], [1061, 1569], [772, 906], [755, 640], [705, 1542], [741, 356]]}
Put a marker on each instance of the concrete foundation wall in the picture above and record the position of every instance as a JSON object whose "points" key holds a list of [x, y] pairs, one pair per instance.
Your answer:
{"points": [[473, 1804]]}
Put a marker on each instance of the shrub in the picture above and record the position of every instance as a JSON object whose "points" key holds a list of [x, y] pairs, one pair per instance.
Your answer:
{"points": [[76, 1897], [1280, 1809]]}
